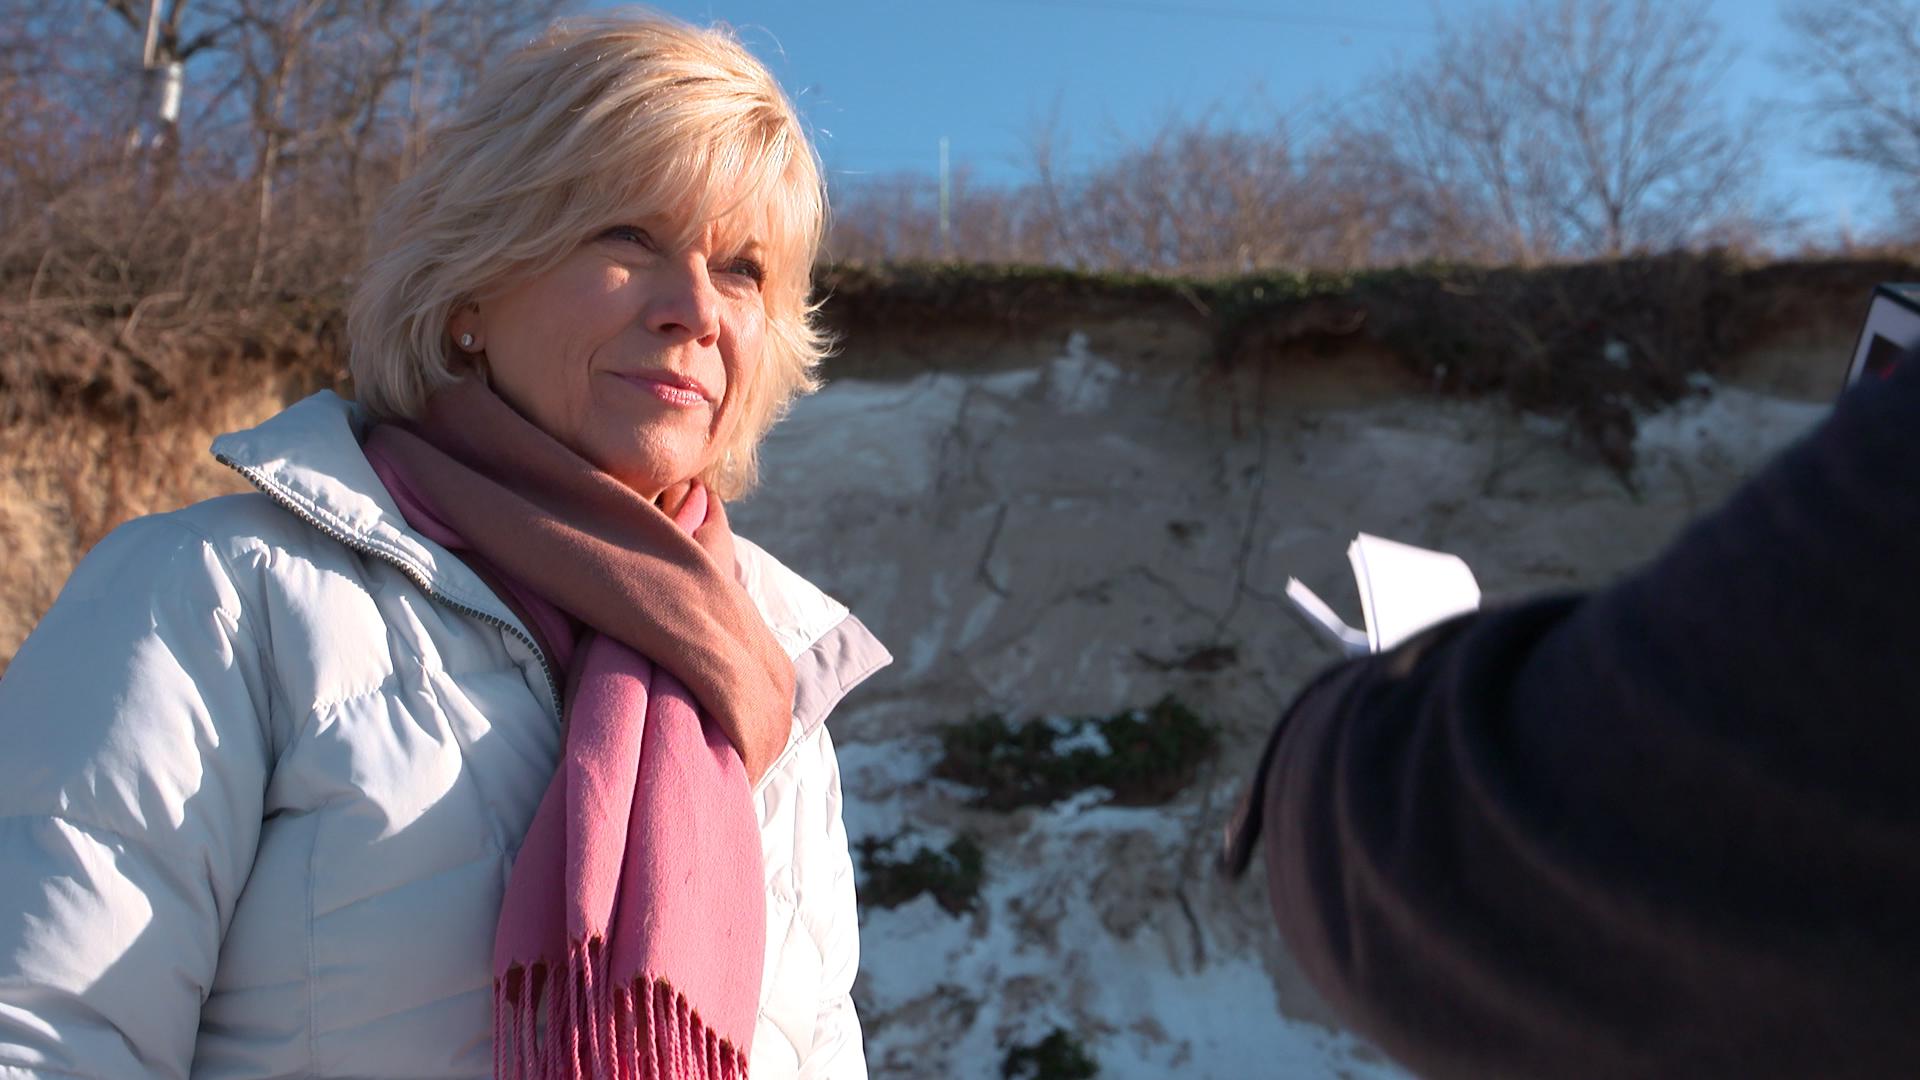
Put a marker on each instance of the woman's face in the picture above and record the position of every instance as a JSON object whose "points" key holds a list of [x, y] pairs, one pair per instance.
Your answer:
{"points": [[627, 352]]}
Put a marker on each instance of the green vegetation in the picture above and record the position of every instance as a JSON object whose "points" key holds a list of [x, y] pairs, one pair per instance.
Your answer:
{"points": [[1145, 757], [952, 877], [1059, 1056]]}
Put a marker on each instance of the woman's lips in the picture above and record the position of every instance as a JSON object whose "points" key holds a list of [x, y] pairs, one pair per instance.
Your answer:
{"points": [[672, 389]]}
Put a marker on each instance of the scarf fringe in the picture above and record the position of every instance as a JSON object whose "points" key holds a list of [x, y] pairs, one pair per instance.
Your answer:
{"points": [[588, 1027]]}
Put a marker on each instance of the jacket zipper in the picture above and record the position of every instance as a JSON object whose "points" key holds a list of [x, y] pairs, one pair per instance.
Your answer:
{"points": [[413, 573]]}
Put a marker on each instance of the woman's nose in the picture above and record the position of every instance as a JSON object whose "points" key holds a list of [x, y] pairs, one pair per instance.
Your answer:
{"points": [[684, 303]]}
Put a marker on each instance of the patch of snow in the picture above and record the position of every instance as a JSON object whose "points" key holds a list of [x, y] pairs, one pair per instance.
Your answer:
{"points": [[873, 436], [1013, 384], [1085, 815], [946, 995], [1083, 735], [882, 768], [1079, 381], [930, 639], [1551, 427], [1079, 802], [1726, 426], [978, 620], [883, 774], [1223, 1021], [905, 952]]}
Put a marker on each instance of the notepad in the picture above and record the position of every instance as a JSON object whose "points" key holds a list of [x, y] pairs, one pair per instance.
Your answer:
{"points": [[1403, 590]]}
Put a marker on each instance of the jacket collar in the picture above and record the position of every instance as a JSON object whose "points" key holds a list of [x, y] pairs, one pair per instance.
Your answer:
{"points": [[307, 458]]}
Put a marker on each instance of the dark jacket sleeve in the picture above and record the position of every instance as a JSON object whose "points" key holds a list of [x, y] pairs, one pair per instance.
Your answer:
{"points": [[1668, 829]]}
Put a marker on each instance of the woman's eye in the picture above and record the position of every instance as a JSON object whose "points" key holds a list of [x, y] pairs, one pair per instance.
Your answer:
{"points": [[748, 269], [631, 234]]}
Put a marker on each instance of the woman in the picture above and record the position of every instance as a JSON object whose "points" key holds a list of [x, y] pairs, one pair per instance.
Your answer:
{"points": [[284, 783]]}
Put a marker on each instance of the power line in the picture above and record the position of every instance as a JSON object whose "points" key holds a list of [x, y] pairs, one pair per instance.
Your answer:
{"points": [[1215, 11]]}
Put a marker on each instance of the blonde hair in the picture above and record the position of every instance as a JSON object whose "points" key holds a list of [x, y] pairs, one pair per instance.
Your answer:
{"points": [[598, 118]]}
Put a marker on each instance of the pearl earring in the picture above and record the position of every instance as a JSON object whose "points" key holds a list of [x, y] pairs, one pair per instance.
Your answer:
{"points": [[466, 341]]}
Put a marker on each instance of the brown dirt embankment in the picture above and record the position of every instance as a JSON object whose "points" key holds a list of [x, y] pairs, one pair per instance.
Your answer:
{"points": [[1593, 342], [105, 413]]}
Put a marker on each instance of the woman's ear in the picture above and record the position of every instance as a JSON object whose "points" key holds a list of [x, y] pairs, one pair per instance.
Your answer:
{"points": [[463, 325]]}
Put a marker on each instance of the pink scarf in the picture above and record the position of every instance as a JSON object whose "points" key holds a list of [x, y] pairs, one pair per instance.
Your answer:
{"points": [[632, 934]]}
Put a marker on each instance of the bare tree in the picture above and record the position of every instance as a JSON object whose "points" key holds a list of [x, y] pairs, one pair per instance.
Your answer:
{"points": [[1568, 128], [52, 54], [288, 118], [1555, 130], [1047, 140], [1860, 62], [1191, 195], [1197, 195], [324, 83], [896, 217]]}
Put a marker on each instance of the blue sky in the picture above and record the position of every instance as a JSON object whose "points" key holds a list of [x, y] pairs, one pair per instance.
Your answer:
{"points": [[881, 82]]}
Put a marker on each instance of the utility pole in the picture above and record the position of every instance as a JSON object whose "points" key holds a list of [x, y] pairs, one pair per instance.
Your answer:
{"points": [[156, 128], [946, 202], [140, 136]]}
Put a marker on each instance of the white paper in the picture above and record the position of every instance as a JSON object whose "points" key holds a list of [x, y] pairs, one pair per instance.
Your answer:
{"points": [[1403, 590], [1355, 642]]}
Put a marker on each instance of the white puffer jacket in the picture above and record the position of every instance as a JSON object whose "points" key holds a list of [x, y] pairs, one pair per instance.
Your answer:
{"points": [[263, 770]]}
